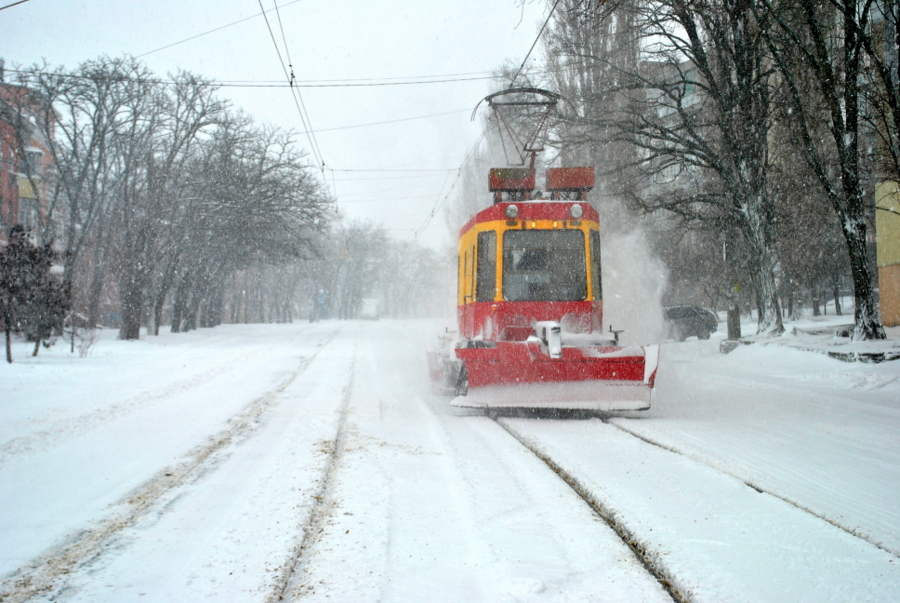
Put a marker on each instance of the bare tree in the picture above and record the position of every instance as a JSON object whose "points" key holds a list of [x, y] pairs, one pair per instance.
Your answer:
{"points": [[79, 117], [695, 110], [819, 49], [253, 202]]}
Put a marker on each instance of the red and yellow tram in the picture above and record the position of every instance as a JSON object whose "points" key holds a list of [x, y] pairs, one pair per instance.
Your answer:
{"points": [[530, 305]]}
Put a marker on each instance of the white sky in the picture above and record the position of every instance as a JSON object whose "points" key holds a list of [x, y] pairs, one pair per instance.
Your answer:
{"points": [[327, 40]]}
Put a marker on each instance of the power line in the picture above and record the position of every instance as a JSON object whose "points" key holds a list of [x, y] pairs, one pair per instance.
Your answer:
{"points": [[411, 80], [439, 170], [362, 85], [402, 77], [410, 177], [13, 4], [439, 202], [471, 154], [200, 35], [391, 121], [311, 133], [295, 94], [383, 199], [544, 26]]}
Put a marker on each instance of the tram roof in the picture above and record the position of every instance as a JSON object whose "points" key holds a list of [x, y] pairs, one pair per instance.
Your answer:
{"points": [[531, 210]]}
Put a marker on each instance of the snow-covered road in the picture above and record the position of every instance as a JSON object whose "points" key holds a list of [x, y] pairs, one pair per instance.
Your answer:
{"points": [[312, 462]]}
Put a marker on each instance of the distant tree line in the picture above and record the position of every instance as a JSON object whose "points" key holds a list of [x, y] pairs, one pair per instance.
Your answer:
{"points": [[170, 206], [758, 129]]}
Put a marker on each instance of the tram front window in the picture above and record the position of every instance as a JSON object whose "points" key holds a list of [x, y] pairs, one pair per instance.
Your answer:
{"points": [[544, 265]]}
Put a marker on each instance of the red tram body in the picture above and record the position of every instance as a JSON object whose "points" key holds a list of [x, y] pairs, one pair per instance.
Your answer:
{"points": [[530, 305]]}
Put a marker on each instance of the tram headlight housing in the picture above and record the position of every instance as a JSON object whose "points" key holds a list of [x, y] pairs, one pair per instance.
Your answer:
{"points": [[511, 211], [576, 211]]}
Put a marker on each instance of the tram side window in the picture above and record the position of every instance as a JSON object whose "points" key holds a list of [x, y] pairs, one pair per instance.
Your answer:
{"points": [[544, 265], [486, 279], [468, 274], [596, 276]]}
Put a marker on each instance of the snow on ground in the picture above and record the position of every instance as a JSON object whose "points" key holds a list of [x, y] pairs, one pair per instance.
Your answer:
{"points": [[201, 465], [431, 506], [816, 431]]}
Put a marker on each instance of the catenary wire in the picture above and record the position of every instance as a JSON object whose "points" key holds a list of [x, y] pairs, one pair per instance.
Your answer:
{"points": [[287, 53], [297, 83], [13, 4], [200, 35], [440, 202], [391, 121], [540, 33], [484, 131], [303, 117]]}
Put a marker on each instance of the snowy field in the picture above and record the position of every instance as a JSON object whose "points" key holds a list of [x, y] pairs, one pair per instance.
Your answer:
{"points": [[312, 462]]}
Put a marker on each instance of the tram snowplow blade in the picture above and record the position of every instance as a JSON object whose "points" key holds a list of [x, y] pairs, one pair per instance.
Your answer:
{"points": [[525, 375]]}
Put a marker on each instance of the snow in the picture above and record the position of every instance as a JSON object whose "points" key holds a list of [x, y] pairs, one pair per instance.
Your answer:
{"points": [[312, 461]]}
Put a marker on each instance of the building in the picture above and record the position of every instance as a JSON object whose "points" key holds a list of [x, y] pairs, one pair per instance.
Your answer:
{"points": [[26, 163]]}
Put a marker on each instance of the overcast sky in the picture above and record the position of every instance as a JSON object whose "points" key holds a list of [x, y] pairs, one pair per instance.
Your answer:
{"points": [[326, 40]]}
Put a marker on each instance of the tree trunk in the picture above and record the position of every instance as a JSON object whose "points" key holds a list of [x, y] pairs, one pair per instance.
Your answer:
{"points": [[867, 323], [769, 320], [132, 304], [6, 331], [179, 306], [836, 293], [160, 298], [98, 277]]}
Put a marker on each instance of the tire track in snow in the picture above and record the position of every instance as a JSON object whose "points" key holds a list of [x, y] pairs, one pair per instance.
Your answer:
{"points": [[315, 524], [70, 426], [606, 513], [45, 575]]}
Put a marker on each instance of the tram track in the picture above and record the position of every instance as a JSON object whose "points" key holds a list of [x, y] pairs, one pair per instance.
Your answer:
{"points": [[46, 574], [321, 508], [758, 488], [726, 520], [605, 512]]}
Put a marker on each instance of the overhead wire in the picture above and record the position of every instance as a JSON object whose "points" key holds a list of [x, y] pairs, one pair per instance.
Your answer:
{"points": [[287, 53], [440, 202], [441, 170], [345, 83], [294, 84], [295, 94], [411, 177], [362, 84], [13, 4], [484, 130], [391, 121], [533, 44], [405, 77], [200, 35]]}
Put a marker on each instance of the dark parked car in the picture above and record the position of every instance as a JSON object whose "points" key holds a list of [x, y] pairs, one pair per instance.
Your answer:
{"points": [[687, 321]]}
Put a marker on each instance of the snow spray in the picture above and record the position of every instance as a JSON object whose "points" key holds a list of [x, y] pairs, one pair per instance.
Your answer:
{"points": [[634, 279]]}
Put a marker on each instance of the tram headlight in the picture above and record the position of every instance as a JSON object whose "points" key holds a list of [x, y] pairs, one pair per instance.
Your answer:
{"points": [[576, 211], [512, 211]]}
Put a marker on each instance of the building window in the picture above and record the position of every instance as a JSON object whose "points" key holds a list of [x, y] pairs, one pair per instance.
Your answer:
{"points": [[28, 214], [35, 165]]}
